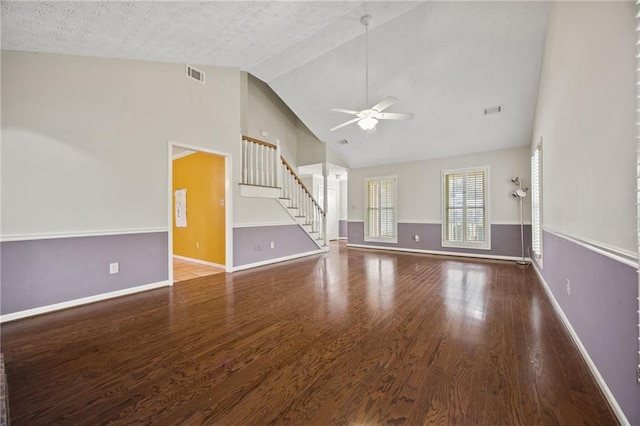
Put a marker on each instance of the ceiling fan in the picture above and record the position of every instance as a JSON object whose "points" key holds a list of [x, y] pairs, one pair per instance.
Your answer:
{"points": [[368, 118]]}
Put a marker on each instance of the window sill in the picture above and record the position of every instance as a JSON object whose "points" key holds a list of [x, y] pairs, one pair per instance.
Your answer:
{"points": [[483, 246], [382, 240]]}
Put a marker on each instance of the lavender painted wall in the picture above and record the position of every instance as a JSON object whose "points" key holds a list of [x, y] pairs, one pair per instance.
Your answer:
{"points": [[38, 273], [253, 244], [505, 239], [602, 311], [343, 231]]}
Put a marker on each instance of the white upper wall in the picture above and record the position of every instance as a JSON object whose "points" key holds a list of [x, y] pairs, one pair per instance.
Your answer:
{"points": [[420, 192], [585, 116], [85, 140], [267, 113]]}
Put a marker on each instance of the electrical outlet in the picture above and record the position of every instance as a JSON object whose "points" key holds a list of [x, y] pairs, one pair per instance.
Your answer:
{"points": [[273, 244], [638, 373], [114, 268], [198, 245], [568, 287], [416, 238]]}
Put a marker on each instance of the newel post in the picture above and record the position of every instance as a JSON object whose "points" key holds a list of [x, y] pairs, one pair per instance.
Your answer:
{"points": [[278, 165]]}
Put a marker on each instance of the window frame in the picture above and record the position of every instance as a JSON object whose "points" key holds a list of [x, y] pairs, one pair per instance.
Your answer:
{"points": [[480, 245], [536, 201], [381, 239]]}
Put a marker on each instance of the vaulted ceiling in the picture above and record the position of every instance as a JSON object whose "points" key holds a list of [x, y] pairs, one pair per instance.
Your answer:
{"points": [[444, 61]]}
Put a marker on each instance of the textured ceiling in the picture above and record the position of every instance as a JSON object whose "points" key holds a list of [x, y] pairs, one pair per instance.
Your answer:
{"points": [[445, 61]]}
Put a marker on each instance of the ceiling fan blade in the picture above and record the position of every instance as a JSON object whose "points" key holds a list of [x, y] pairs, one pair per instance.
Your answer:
{"points": [[345, 124], [346, 111], [396, 116], [385, 103]]}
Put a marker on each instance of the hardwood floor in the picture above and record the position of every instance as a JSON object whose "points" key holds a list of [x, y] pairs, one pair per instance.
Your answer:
{"points": [[352, 337]]}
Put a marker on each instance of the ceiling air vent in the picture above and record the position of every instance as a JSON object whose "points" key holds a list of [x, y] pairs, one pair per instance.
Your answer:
{"points": [[195, 74], [492, 110], [343, 142]]}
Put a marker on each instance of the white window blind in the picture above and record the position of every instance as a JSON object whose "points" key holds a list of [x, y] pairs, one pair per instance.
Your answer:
{"points": [[536, 192], [465, 214], [380, 216]]}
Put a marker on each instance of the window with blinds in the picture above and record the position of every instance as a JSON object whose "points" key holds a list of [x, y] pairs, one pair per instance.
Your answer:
{"points": [[536, 196], [381, 221], [465, 208]]}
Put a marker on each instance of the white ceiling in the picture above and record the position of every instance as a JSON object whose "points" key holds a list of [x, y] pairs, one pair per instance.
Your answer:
{"points": [[445, 61]]}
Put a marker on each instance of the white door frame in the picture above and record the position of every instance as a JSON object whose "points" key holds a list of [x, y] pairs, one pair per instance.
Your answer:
{"points": [[228, 203]]}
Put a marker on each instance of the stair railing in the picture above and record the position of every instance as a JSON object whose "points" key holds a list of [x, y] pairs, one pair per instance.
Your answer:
{"points": [[264, 165], [260, 163]]}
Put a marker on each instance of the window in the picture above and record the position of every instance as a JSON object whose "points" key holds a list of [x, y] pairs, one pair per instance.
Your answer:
{"points": [[465, 208], [536, 196], [381, 223]]}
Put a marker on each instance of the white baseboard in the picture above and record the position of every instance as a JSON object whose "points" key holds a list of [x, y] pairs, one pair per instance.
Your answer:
{"points": [[279, 259], [201, 262], [441, 253], [83, 301], [583, 351], [343, 238]]}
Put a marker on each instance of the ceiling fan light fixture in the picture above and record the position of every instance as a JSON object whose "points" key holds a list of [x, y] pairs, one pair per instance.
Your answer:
{"points": [[367, 123]]}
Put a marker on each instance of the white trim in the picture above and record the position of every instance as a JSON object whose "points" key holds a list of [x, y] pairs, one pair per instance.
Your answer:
{"points": [[198, 261], [279, 259], [182, 155], [441, 253], [621, 255], [83, 301], [228, 205], [256, 225], [394, 239], [343, 238], [76, 234], [482, 245], [437, 222], [420, 222], [509, 222], [583, 351]]}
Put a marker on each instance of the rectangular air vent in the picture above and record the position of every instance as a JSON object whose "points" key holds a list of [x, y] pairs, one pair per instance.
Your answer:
{"points": [[343, 142], [492, 110], [195, 74]]}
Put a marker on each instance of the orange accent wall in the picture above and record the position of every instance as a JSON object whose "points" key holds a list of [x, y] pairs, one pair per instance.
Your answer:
{"points": [[202, 175]]}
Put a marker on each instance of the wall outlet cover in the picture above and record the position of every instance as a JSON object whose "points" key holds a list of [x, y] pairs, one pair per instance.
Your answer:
{"points": [[114, 268]]}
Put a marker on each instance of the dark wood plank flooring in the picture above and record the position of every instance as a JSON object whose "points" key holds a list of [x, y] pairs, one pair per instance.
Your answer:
{"points": [[352, 337]]}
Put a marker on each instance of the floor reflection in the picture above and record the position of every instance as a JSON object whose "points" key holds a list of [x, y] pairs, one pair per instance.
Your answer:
{"points": [[381, 282], [465, 290]]}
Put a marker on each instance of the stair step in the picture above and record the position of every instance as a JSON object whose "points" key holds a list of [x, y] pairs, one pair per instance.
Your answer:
{"points": [[293, 207], [283, 198], [300, 216]]}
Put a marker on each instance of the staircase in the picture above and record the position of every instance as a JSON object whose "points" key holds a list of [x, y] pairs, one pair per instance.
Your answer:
{"points": [[265, 173]]}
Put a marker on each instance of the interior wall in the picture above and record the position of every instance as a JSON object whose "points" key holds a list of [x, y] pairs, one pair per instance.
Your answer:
{"points": [[419, 185], [203, 176], [586, 120], [267, 112], [85, 169], [586, 116], [90, 154]]}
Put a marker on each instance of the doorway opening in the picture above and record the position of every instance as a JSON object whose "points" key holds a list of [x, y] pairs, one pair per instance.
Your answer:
{"points": [[199, 200]]}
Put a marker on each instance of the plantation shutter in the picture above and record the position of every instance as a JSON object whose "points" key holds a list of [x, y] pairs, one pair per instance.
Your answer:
{"points": [[475, 198], [381, 220], [455, 206], [535, 204], [388, 208], [465, 208], [373, 208]]}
